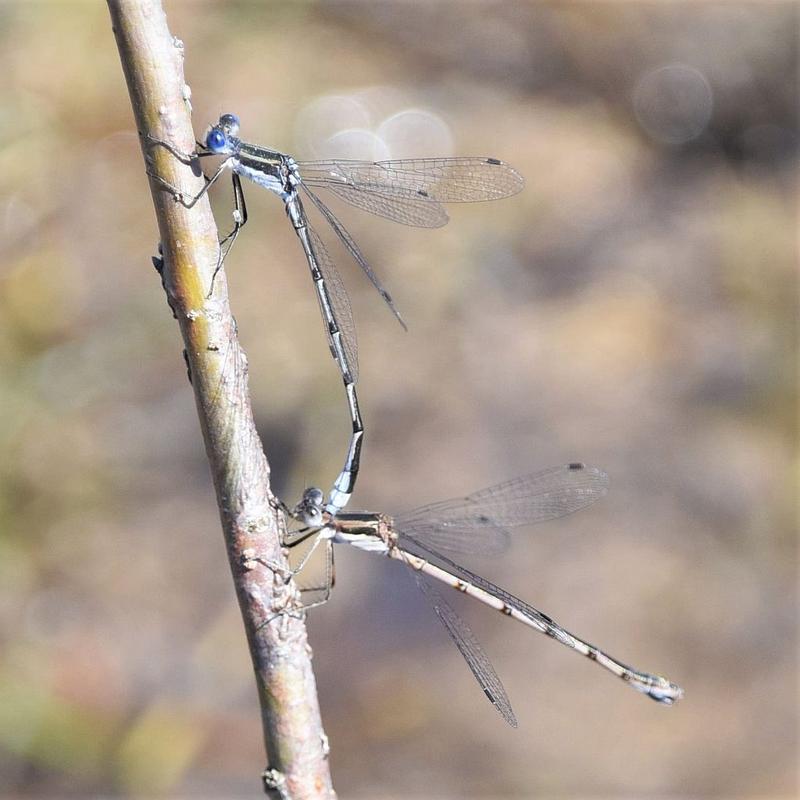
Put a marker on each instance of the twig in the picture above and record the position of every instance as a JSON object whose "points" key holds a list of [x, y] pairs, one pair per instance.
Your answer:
{"points": [[296, 745]]}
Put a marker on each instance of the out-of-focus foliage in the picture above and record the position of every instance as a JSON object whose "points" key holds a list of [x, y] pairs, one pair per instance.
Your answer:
{"points": [[635, 308]]}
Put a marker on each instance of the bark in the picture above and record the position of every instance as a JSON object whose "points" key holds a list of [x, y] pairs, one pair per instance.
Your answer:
{"points": [[152, 61]]}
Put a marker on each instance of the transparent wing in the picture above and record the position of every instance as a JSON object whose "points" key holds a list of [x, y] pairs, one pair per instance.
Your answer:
{"points": [[340, 304], [355, 252], [466, 537], [404, 207], [470, 648], [478, 523], [441, 180]]}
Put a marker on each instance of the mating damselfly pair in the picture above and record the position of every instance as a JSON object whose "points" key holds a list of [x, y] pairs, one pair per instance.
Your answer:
{"points": [[410, 192]]}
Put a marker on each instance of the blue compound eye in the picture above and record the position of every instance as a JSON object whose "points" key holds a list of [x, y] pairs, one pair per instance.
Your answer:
{"points": [[216, 141]]}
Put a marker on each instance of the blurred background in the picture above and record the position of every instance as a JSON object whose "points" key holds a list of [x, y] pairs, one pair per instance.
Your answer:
{"points": [[634, 308]]}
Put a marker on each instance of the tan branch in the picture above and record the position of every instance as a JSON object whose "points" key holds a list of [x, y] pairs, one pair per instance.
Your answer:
{"points": [[296, 747]]}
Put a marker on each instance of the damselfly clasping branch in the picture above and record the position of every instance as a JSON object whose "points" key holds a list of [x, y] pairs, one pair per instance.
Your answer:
{"points": [[408, 191], [479, 523]]}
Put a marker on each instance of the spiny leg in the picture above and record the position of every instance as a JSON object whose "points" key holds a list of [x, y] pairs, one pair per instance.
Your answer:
{"points": [[187, 159], [297, 609], [240, 207], [191, 200], [184, 158], [239, 220]]}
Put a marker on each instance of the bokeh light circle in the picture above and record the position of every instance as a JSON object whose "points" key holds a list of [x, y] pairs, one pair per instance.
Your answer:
{"points": [[673, 103]]}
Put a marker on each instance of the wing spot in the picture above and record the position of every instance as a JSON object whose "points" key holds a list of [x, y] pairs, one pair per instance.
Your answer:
{"points": [[495, 161]]}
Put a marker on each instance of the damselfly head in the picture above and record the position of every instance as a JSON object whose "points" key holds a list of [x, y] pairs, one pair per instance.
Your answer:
{"points": [[310, 509], [221, 138]]}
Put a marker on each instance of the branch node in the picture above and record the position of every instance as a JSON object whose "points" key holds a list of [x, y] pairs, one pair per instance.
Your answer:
{"points": [[275, 784]]}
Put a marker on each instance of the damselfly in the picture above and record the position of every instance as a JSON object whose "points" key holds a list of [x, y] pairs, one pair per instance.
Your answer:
{"points": [[478, 523], [408, 191]]}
